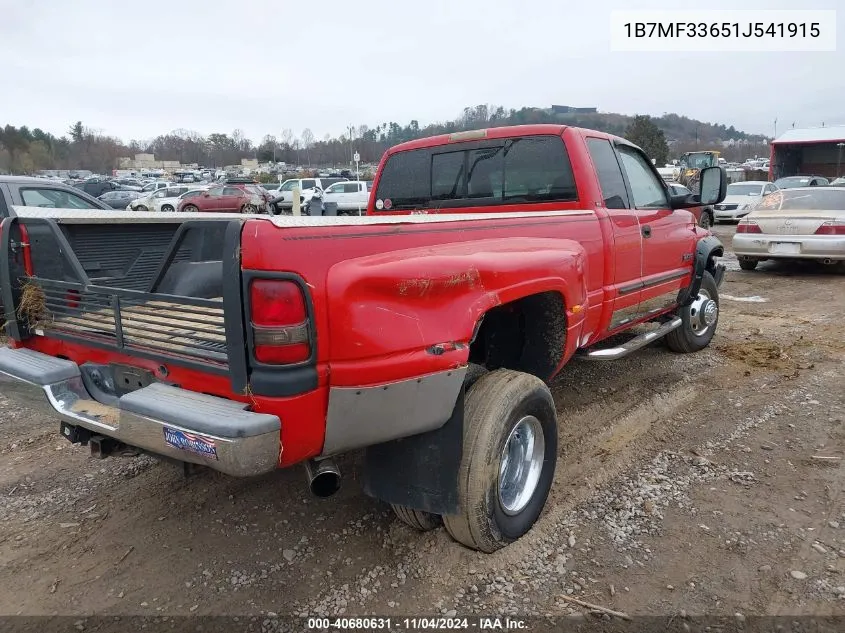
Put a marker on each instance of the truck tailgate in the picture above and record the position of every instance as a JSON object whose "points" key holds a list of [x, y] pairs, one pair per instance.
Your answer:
{"points": [[147, 284]]}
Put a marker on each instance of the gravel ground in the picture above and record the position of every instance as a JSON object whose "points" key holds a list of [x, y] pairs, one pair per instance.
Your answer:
{"points": [[709, 484]]}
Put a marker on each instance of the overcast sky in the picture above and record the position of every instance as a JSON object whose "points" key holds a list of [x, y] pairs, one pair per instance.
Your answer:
{"points": [[138, 69]]}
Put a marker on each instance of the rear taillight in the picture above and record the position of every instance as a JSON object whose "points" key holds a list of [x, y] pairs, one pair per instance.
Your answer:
{"points": [[279, 322], [831, 228], [748, 226]]}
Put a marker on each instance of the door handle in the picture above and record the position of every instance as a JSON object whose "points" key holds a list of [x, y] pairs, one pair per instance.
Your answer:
{"points": [[646, 231]]}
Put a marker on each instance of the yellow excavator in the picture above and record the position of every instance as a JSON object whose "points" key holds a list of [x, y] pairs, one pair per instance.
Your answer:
{"points": [[690, 166]]}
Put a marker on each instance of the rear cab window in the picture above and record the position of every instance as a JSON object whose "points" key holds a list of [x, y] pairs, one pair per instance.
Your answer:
{"points": [[478, 173]]}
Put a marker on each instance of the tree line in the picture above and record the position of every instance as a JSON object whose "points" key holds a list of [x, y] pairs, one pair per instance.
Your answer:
{"points": [[24, 150]]}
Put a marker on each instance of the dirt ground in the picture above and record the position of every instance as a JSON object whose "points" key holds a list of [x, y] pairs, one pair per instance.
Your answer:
{"points": [[702, 484]]}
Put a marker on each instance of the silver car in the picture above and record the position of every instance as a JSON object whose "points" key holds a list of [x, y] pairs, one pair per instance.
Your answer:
{"points": [[802, 223], [741, 198]]}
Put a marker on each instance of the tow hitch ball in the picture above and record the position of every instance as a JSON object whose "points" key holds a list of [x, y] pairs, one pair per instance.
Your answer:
{"points": [[101, 446]]}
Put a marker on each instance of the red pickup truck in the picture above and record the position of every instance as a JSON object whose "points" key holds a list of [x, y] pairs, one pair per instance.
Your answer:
{"points": [[424, 332]]}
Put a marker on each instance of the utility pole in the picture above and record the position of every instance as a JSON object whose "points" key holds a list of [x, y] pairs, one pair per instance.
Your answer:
{"points": [[839, 159], [351, 150], [776, 128]]}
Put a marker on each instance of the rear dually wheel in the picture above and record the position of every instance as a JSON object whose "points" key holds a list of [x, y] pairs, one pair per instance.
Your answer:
{"points": [[508, 462]]}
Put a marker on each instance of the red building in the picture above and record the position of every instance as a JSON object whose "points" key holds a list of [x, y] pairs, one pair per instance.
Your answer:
{"points": [[808, 152]]}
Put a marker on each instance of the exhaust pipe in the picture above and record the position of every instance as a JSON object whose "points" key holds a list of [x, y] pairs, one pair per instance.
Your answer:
{"points": [[323, 477], [828, 262]]}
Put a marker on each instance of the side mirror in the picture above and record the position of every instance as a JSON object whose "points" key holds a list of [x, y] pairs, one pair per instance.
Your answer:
{"points": [[205, 194], [713, 187]]}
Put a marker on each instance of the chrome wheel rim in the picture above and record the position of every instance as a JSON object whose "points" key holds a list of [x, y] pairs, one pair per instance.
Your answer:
{"points": [[703, 313], [521, 464]]}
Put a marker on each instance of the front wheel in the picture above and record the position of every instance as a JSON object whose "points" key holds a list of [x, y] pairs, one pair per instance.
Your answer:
{"points": [[249, 208], [705, 222], [141, 208], [190, 208], [747, 263], [167, 208], [698, 320], [508, 461]]}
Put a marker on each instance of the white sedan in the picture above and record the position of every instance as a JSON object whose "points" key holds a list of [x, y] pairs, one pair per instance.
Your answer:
{"points": [[741, 198], [802, 223], [166, 199]]}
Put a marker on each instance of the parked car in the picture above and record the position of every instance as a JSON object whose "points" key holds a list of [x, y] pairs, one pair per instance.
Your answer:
{"points": [[349, 196], [437, 321], [838, 182], [164, 199], [789, 182], [255, 189], [308, 188], [703, 215], [798, 223], [119, 199], [43, 193], [156, 185], [224, 198], [741, 198], [98, 186]]}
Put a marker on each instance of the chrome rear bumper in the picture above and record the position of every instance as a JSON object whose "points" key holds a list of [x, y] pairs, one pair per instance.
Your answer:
{"points": [[161, 419]]}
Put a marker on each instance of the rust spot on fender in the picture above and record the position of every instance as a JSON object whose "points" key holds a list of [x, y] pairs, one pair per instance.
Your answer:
{"points": [[471, 278], [422, 286]]}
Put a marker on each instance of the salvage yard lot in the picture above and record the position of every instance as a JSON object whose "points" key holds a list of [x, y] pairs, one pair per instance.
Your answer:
{"points": [[709, 483]]}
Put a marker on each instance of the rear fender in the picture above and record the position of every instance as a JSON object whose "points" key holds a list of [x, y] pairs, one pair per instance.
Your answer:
{"points": [[414, 311]]}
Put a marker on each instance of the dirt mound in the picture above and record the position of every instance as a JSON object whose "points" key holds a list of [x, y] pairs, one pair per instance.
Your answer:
{"points": [[768, 354]]}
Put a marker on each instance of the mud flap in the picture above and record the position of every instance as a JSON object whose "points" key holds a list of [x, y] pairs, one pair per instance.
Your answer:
{"points": [[421, 471]]}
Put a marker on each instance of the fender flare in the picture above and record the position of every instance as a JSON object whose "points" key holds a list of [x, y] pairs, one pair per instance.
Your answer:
{"points": [[706, 250]]}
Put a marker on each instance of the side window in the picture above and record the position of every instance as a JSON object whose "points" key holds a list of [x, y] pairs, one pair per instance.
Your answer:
{"points": [[350, 187], [161, 193], [216, 191], [768, 189], [231, 191], [610, 174], [309, 184], [645, 185], [54, 199]]}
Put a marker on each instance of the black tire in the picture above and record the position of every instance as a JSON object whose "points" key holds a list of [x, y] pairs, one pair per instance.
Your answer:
{"points": [[706, 220], [494, 406], [474, 372], [747, 263], [417, 519], [249, 208], [190, 208], [141, 208], [695, 334], [166, 208]]}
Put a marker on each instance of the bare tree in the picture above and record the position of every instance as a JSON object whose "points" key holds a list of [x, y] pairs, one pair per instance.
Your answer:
{"points": [[307, 142], [287, 137]]}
